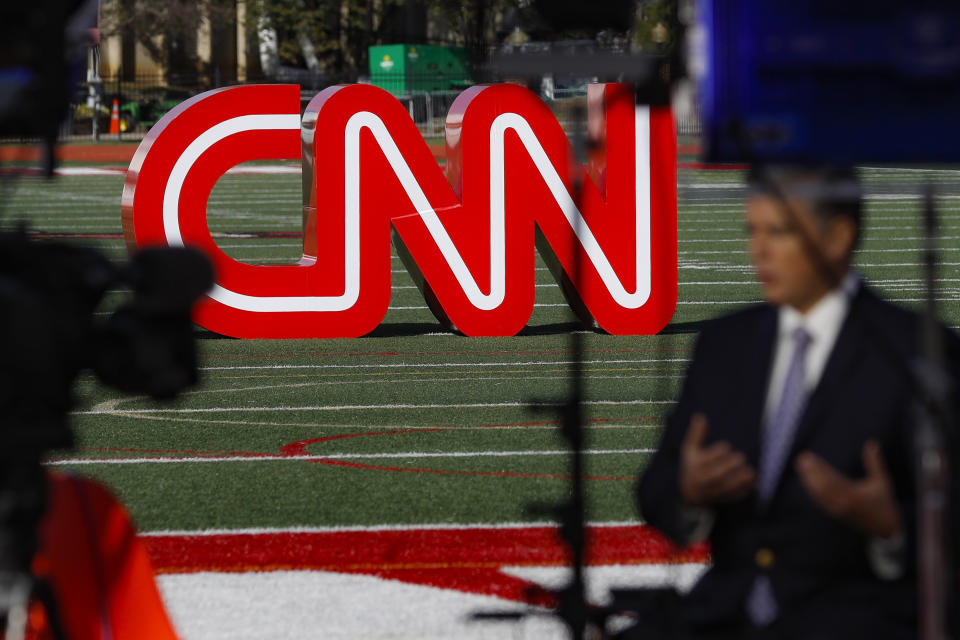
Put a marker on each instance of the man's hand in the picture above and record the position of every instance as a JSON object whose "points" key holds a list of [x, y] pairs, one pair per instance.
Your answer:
{"points": [[868, 504], [714, 474]]}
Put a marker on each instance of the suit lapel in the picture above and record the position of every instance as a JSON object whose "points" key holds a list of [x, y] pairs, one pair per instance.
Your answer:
{"points": [[758, 372], [840, 365]]}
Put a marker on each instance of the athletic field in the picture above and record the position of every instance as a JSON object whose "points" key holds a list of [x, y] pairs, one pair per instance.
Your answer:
{"points": [[379, 487]]}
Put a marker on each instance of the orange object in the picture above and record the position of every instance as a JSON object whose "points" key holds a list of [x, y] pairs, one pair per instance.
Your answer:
{"points": [[98, 569], [115, 118]]}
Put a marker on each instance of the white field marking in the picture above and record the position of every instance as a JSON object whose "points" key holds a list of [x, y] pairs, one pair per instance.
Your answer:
{"points": [[718, 302], [741, 232], [734, 216], [373, 427], [718, 201], [758, 301], [39, 218], [862, 249], [722, 282], [906, 196], [560, 304], [414, 377], [37, 196], [873, 281], [293, 605], [370, 407], [118, 171], [600, 579], [732, 207], [902, 264], [113, 404], [434, 365], [404, 287], [272, 245], [407, 272], [374, 528], [89, 171], [80, 227], [715, 185], [222, 202], [910, 170], [266, 169], [858, 252], [955, 298], [407, 455], [421, 308], [284, 605]]}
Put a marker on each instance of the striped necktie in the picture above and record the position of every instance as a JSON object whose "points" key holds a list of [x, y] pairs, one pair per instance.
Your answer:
{"points": [[778, 438]]}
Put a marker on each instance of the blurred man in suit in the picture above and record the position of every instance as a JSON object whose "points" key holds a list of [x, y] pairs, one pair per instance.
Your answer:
{"points": [[790, 445]]}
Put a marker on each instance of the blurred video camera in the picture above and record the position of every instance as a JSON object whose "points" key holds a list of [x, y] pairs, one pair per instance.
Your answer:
{"points": [[50, 294], [51, 331]]}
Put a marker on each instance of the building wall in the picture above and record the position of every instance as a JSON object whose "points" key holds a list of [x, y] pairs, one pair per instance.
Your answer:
{"points": [[216, 48]]}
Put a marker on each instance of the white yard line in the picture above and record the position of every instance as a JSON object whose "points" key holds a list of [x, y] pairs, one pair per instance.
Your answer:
{"points": [[366, 407], [260, 170], [865, 250], [407, 455], [380, 380], [549, 426], [871, 265], [435, 365], [433, 526], [698, 302], [859, 252]]}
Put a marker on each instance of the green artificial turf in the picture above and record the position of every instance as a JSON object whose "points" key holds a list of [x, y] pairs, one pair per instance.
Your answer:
{"points": [[414, 388]]}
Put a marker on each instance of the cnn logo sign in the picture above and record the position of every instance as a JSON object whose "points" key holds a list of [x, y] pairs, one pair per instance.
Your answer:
{"points": [[466, 232]]}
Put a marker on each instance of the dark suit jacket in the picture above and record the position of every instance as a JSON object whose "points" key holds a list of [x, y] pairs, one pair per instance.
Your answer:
{"points": [[821, 575]]}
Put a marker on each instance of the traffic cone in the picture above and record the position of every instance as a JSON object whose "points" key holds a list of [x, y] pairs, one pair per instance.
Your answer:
{"points": [[115, 118]]}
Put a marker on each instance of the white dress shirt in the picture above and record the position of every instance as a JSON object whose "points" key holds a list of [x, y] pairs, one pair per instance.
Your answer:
{"points": [[822, 322]]}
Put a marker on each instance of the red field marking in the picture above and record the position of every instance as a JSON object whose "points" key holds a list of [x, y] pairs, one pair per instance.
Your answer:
{"points": [[299, 448], [120, 152], [71, 153], [688, 149], [469, 559]]}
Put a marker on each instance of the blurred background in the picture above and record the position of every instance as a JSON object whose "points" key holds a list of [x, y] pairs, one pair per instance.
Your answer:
{"points": [[150, 56]]}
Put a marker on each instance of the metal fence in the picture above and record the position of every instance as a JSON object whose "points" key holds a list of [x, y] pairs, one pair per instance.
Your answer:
{"points": [[429, 110], [143, 99]]}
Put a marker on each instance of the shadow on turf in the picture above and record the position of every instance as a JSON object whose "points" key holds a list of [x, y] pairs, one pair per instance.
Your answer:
{"points": [[402, 329], [408, 329]]}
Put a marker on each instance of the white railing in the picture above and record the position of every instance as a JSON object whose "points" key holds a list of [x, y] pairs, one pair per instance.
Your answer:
{"points": [[429, 111]]}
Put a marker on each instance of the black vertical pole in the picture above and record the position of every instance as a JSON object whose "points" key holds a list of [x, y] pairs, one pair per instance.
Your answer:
{"points": [[575, 518], [933, 468]]}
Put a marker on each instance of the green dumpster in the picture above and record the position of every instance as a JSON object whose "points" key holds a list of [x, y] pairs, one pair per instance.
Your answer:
{"points": [[405, 68]]}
